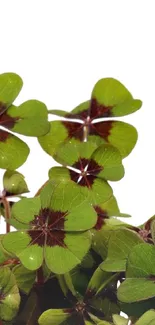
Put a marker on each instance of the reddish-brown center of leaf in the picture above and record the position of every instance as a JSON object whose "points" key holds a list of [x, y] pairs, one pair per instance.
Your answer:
{"points": [[3, 107], [4, 135], [102, 129], [77, 130], [48, 228], [86, 173], [80, 307], [7, 121], [102, 215], [98, 110], [94, 111], [74, 130]]}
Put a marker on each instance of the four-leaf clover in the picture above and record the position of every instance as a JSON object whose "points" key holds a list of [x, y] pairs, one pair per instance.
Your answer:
{"points": [[30, 118], [53, 228], [109, 99]]}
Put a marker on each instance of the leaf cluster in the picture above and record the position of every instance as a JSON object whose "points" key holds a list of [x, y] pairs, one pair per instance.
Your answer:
{"points": [[69, 259]]}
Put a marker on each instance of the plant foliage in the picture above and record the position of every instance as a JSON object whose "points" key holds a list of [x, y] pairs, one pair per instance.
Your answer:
{"points": [[70, 259]]}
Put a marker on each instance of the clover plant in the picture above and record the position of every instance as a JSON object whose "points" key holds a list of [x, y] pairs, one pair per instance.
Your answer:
{"points": [[69, 259]]}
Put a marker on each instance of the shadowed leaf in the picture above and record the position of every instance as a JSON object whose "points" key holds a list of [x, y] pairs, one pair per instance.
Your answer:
{"points": [[14, 183], [9, 295]]}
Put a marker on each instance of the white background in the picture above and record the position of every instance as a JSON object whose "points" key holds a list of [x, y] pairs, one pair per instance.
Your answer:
{"points": [[61, 48]]}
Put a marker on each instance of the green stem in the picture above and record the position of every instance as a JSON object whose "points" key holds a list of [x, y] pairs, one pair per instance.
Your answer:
{"points": [[7, 212]]}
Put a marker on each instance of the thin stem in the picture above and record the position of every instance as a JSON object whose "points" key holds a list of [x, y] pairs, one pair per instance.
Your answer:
{"points": [[38, 192], [7, 212], [40, 276]]}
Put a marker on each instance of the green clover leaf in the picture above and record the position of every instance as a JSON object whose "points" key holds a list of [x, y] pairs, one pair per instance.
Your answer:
{"points": [[140, 275], [14, 183], [109, 99], [50, 227], [89, 167], [30, 118]]}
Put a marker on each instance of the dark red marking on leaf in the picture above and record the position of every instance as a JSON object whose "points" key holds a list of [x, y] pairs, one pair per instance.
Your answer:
{"points": [[37, 237], [81, 164], [56, 238], [102, 215], [80, 116], [94, 111], [102, 129], [8, 121], [74, 130], [4, 135], [98, 110], [87, 176], [87, 180], [48, 228], [74, 176], [94, 168], [3, 108]]}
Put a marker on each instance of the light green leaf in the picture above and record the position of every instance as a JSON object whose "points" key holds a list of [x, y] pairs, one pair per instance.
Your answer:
{"points": [[10, 86], [79, 214], [61, 259], [71, 152], [109, 92], [120, 245], [121, 135], [25, 210], [10, 298], [99, 190], [14, 182], [136, 289], [13, 151], [81, 111], [110, 161], [141, 261], [32, 118], [18, 243], [147, 319], [104, 162], [54, 138], [54, 317], [119, 320]]}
